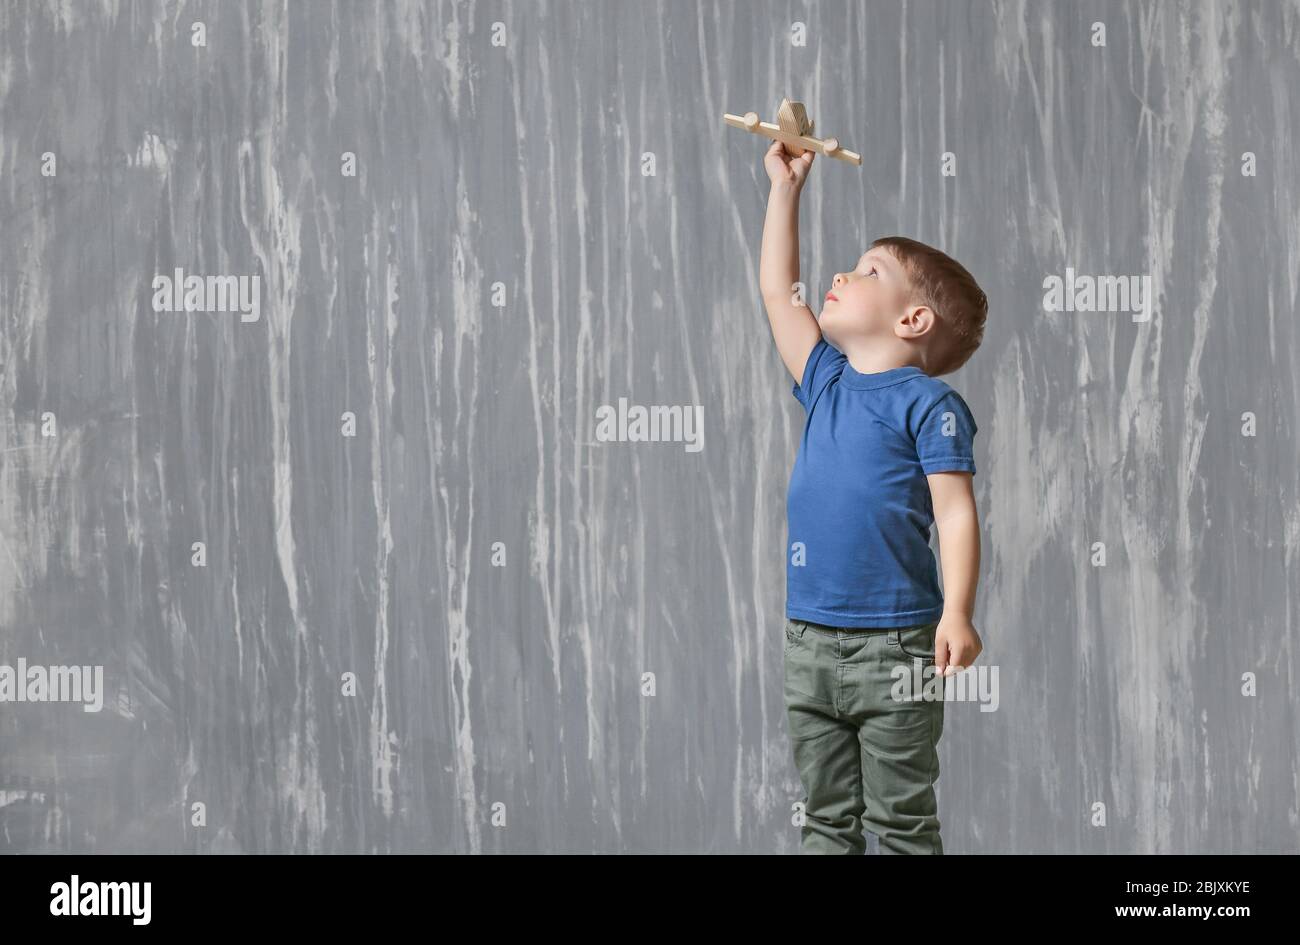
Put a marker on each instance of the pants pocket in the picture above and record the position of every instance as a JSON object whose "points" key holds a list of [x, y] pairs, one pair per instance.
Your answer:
{"points": [[793, 630], [809, 666], [915, 642]]}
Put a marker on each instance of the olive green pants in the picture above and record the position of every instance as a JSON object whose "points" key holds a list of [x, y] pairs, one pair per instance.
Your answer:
{"points": [[866, 713]]}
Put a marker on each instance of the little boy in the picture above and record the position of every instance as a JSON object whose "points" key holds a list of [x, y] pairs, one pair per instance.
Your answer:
{"points": [[886, 452]]}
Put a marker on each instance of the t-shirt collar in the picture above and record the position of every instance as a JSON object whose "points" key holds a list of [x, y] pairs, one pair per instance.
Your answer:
{"points": [[859, 381]]}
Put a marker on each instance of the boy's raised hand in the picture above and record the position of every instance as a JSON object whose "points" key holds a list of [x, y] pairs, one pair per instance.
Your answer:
{"points": [[784, 169]]}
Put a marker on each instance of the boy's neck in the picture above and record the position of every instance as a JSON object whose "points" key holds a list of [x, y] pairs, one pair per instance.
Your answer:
{"points": [[879, 358]]}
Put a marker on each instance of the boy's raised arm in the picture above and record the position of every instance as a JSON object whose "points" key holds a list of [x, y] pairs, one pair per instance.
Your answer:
{"points": [[794, 328]]}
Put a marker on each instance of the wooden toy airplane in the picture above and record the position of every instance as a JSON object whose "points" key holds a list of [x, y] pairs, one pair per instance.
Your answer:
{"points": [[794, 131]]}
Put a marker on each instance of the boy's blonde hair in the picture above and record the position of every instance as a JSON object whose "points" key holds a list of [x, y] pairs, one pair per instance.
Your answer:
{"points": [[941, 283]]}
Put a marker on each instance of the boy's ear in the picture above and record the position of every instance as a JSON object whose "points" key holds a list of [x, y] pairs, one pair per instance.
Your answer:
{"points": [[915, 321]]}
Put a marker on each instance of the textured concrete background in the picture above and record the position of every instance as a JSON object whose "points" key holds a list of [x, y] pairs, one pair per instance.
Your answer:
{"points": [[506, 682]]}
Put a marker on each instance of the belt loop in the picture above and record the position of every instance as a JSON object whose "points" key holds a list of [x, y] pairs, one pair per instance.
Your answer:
{"points": [[891, 638]]}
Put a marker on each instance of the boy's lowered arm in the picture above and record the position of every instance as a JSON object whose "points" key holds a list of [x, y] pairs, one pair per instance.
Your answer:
{"points": [[794, 328], [957, 521]]}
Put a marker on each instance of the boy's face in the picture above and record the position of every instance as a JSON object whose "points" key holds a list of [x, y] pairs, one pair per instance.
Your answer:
{"points": [[866, 302]]}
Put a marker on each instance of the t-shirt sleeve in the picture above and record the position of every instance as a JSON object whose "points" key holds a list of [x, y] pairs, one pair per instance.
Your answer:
{"points": [[824, 362], [945, 441]]}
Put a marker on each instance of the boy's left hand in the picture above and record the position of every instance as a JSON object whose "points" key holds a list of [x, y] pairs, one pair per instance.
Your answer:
{"points": [[956, 644]]}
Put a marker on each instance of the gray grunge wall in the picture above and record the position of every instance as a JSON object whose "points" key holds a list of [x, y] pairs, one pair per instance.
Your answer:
{"points": [[354, 568]]}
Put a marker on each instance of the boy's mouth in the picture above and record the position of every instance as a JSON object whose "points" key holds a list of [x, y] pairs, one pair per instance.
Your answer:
{"points": [[830, 297]]}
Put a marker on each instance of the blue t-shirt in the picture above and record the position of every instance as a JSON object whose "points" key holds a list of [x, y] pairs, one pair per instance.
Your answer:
{"points": [[858, 508]]}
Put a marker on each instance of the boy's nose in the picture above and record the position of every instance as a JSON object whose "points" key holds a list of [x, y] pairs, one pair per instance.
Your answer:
{"points": [[838, 281]]}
